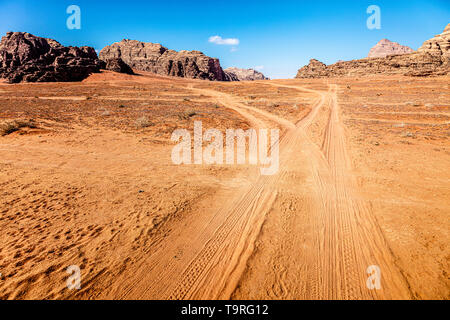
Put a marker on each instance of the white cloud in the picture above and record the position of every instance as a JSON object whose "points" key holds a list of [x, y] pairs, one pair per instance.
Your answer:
{"points": [[233, 49], [221, 41], [259, 68]]}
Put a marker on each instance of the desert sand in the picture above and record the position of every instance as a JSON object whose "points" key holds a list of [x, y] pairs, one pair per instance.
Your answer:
{"points": [[87, 179]]}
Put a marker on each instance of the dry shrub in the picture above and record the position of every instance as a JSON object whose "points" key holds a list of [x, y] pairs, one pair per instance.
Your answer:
{"points": [[13, 126], [187, 115], [143, 122]]}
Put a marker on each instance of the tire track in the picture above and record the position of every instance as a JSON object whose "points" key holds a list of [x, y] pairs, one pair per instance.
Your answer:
{"points": [[347, 238], [355, 233], [224, 243], [344, 241]]}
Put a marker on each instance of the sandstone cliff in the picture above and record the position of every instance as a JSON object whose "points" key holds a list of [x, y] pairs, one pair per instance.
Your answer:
{"points": [[118, 65], [25, 57], [432, 59], [155, 58], [439, 45]]}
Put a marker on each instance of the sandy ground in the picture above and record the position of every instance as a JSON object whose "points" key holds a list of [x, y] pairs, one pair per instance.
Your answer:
{"points": [[87, 179]]}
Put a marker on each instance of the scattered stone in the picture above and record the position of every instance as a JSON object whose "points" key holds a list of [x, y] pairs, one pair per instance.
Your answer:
{"points": [[187, 115], [143, 122], [407, 135]]}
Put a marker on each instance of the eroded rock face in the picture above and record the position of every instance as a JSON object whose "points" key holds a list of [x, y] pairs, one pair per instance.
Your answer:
{"points": [[314, 69], [155, 58], [25, 57], [386, 48], [439, 45], [244, 74], [231, 76], [432, 59], [117, 65]]}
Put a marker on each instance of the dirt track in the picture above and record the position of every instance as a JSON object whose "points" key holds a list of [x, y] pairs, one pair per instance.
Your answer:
{"points": [[87, 188], [347, 235]]}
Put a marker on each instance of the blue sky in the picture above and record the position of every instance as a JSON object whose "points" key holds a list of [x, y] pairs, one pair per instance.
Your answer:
{"points": [[278, 36]]}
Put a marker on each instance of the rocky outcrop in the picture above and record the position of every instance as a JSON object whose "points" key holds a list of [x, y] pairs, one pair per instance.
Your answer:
{"points": [[412, 65], [386, 48], [244, 74], [314, 69], [432, 59], [439, 45], [118, 65], [25, 57], [231, 76], [155, 58]]}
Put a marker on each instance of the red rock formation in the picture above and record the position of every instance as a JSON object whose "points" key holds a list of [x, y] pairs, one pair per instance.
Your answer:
{"points": [[439, 45], [117, 65], [25, 57], [155, 58], [433, 58]]}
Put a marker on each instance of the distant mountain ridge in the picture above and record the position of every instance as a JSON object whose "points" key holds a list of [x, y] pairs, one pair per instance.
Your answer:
{"points": [[431, 59], [386, 48], [245, 74]]}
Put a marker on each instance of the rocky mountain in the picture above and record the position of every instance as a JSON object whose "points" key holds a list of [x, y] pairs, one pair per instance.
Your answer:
{"points": [[25, 57], [315, 69], [153, 57], [244, 74], [118, 65], [432, 59], [386, 48], [439, 45]]}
